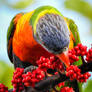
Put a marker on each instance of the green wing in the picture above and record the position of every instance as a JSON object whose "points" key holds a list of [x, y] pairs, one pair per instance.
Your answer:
{"points": [[10, 34], [10, 29], [74, 29]]}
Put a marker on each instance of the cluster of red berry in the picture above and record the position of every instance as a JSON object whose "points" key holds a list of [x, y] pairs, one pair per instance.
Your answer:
{"points": [[89, 55], [17, 80], [66, 89], [61, 84], [3, 88], [30, 79], [56, 63], [72, 56], [44, 63], [49, 63], [75, 73], [80, 50], [84, 77], [77, 51]]}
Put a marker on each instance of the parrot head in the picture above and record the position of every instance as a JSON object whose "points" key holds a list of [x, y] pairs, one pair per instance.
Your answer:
{"points": [[53, 34]]}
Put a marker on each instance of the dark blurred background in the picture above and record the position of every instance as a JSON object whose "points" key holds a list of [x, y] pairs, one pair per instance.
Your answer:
{"points": [[78, 10]]}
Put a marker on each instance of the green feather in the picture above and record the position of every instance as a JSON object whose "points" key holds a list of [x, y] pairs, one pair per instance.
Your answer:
{"points": [[42, 11], [39, 10], [74, 29], [10, 33], [10, 29]]}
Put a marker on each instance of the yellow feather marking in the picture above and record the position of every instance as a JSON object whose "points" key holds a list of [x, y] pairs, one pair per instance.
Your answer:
{"points": [[71, 44], [26, 17]]}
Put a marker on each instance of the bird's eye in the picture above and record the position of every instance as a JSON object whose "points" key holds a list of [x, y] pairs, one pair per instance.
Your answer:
{"points": [[65, 48]]}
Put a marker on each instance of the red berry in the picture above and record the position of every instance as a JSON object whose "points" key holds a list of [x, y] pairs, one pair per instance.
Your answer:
{"points": [[29, 79], [76, 48], [61, 84], [3, 88], [17, 80], [78, 52], [66, 89], [75, 73], [89, 55]]}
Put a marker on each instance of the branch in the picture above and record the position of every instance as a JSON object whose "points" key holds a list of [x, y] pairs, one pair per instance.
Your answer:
{"points": [[86, 67], [51, 81], [46, 84]]}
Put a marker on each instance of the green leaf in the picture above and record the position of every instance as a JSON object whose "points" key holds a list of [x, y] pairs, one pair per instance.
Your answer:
{"points": [[6, 73], [88, 87], [21, 4], [81, 6]]}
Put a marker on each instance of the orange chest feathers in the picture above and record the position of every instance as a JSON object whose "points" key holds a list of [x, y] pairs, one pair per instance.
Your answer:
{"points": [[25, 46]]}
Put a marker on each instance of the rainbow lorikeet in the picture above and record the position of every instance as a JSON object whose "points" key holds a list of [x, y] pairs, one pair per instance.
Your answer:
{"points": [[42, 32]]}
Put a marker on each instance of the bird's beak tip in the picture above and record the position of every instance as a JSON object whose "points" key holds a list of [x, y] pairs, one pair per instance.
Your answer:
{"points": [[64, 58]]}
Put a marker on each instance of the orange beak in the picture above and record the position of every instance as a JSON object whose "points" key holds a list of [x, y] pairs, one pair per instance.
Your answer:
{"points": [[64, 58]]}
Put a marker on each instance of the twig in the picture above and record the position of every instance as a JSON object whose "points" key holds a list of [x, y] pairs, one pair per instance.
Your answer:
{"points": [[87, 67], [50, 82]]}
